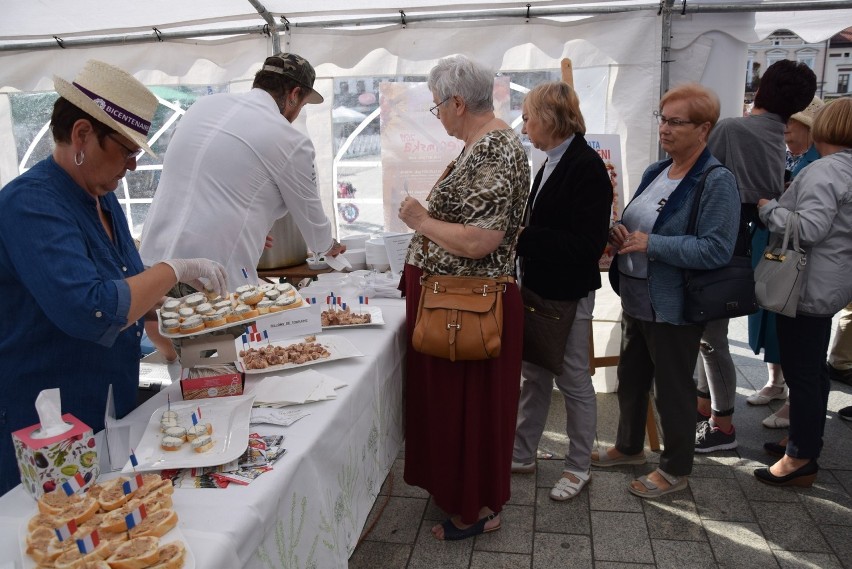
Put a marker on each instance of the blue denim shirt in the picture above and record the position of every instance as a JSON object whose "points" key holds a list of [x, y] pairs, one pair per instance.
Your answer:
{"points": [[670, 250], [64, 303]]}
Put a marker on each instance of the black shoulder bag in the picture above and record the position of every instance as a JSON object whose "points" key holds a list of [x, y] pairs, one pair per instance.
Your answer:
{"points": [[726, 292]]}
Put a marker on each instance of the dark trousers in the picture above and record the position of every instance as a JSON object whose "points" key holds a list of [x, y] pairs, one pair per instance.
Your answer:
{"points": [[804, 345], [663, 356]]}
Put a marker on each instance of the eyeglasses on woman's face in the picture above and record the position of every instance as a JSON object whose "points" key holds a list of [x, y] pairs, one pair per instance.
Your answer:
{"points": [[436, 110], [128, 152], [672, 122]]}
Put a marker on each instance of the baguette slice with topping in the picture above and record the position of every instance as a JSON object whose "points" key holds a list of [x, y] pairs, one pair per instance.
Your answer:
{"points": [[171, 556], [112, 495], [137, 553], [157, 524]]}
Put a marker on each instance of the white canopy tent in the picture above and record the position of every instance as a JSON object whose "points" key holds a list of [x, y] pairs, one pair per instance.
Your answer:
{"points": [[618, 42]]}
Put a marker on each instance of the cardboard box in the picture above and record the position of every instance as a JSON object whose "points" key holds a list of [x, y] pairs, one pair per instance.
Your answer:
{"points": [[218, 352], [46, 463]]}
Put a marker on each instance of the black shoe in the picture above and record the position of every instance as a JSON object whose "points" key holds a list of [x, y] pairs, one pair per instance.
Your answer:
{"points": [[701, 417], [803, 477], [846, 413], [841, 375], [775, 449]]}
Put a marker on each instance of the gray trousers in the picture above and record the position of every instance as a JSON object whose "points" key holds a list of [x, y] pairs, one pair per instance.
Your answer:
{"points": [[575, 383], [715, 369], [840, 355]]}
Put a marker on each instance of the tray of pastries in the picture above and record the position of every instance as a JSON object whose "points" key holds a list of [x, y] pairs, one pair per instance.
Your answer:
{"points": [[98, 517], [200, 313]]}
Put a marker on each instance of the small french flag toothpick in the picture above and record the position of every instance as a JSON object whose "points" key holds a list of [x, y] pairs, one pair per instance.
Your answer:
{"points": [[88, 543], [65, 531], [135, 517], [132, 485], [266, 337], [73, 484], [133, 461]]}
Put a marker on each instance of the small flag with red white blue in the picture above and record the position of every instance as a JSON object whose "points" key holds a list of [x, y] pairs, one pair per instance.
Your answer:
{"points": [[65, 531], [363, 300], [73, 484], [194, 419], [246, 341], [266, 335], [132, 485], [133, 462], [89, 543], [254, 335], [135, 517]]}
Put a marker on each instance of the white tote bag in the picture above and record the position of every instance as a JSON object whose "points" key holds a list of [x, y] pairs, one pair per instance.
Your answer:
{"points": [[778, 276]]}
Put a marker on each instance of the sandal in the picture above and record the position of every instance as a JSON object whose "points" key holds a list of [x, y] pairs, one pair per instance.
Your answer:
{"points": [[652, 490], [454, 533], [565, 488], [602, 458]]}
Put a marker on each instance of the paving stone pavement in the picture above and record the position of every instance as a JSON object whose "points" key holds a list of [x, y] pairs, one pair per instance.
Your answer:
{"points": [[725, 519]]}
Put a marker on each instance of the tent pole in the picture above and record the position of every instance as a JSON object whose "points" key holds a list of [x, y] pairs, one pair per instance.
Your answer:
{"points": [[665, 55], [270, 21]]}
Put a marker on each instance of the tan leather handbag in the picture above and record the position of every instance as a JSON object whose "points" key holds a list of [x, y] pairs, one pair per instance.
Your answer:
{"points": [[460, 318]]}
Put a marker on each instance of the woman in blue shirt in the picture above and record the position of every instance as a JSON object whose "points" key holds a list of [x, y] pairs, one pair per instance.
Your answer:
{"points": [[73, 291]]}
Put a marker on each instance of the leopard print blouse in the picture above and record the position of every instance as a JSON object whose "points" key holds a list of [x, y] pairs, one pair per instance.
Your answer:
{"points": [[487, 188]]}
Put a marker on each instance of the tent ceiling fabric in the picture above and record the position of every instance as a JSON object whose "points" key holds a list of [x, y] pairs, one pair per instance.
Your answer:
{"points": [[44, 19]]}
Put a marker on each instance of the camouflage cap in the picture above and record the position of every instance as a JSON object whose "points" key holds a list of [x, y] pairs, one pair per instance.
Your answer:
{"points": [[296, 68]]}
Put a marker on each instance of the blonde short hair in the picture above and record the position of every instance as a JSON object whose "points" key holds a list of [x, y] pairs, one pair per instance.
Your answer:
{"points": [[833, 123], [703, 104], [555, 103]]}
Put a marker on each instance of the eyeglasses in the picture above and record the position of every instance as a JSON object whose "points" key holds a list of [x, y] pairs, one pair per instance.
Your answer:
{"points": [[436, 110], [128, 152], [674, 123]]}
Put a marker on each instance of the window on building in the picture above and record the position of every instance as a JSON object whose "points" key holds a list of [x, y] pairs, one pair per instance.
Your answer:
{"points": [[843, 83]]}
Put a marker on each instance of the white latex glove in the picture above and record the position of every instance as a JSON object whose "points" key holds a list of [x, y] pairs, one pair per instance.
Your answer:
{"points": [[199, 273]]}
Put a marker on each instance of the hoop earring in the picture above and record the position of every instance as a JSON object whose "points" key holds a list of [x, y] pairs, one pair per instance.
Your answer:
{"points": [[82, 156]]}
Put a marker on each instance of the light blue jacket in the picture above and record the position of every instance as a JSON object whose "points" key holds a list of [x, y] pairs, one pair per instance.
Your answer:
{"points": [[670, 250], [822, 195]]}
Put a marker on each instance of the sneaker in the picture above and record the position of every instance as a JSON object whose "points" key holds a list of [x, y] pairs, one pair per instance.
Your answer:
{"points": [[846, 413], [767, 394], [701, 417], [841, 375], [523, 468], [710, 439]]}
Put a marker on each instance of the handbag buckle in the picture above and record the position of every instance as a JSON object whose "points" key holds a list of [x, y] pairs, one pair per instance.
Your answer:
{"points": [[501, 287], [774, 257]]}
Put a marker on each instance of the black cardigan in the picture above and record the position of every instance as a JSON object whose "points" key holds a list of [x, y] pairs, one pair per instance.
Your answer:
{"points": [[567, 230]]}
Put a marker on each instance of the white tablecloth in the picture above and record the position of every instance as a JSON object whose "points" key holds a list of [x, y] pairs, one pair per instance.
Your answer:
{"points": [[309, 511]]}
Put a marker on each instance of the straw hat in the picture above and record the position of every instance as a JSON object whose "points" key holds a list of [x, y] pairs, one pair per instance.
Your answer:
{"points": [[114, 97], [807, 116]]}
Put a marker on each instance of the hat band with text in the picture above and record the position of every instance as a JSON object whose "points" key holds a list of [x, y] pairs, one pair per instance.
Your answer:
{"points": [[118, 113]]}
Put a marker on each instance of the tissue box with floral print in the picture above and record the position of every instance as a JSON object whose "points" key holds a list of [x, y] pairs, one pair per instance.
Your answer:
{"points": [[45, 463]]}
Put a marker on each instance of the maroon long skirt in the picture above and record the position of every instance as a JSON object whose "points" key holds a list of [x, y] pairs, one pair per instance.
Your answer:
{"points": [[460, 416]]}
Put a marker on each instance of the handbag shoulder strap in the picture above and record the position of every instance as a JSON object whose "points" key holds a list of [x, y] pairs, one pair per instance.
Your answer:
{"points": [[693, 215]]}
